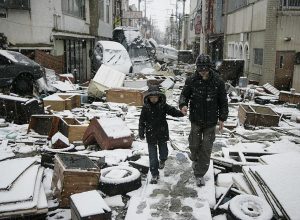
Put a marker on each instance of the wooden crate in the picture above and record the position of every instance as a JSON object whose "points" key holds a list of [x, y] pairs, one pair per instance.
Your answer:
{"points": [[62, 101], [289, 97], [44, 124], [126, 95], [72, 128], [95, 133], [88, 200], [19, 110], [257, 115], [73, 174]]}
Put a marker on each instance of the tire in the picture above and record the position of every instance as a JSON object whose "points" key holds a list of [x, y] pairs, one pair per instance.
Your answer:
{"points": [[249, 207], [110, 186], [23, 85]]}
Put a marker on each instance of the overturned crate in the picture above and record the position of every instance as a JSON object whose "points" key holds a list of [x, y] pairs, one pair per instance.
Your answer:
{"points": [[73, 174], [19, 109], [126, 95], [72, 128], [62, 101], [108, 133], [256, 115]]}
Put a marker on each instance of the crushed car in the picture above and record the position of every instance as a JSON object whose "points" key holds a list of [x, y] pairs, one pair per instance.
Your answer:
{"points": [[18, 72]]}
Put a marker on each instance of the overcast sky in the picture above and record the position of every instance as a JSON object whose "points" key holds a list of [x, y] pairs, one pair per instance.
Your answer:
{"points": [[161, 10]]}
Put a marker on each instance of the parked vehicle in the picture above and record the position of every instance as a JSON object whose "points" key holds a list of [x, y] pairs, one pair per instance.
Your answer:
{"points": [[166, 54], [18, 71], [112, 54], [132, 40]]}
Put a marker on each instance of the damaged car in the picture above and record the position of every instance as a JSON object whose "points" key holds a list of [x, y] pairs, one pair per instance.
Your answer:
{"points": [[18, 72]]}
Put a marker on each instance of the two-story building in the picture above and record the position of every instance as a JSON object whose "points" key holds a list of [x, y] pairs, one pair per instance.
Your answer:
{"points": [[58, 34]]}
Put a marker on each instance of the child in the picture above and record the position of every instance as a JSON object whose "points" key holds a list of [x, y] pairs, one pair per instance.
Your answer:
{"points": [[153, 121]]}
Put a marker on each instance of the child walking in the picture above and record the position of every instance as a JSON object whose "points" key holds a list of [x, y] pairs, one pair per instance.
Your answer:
{"points": [[153, 122]]}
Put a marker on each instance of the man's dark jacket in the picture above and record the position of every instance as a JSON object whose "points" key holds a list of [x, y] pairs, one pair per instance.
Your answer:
{"points": [[153, 120], [207, 99]]}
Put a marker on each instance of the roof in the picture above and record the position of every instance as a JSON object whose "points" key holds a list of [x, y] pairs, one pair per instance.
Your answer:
{"points": [[111, 45]]}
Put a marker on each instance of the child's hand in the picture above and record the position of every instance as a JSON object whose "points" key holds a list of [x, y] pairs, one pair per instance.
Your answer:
{"points": [[184, 110]]}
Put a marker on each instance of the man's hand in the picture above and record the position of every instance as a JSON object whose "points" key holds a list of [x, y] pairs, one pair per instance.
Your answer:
{"points": [[221, 125], [184, 110]]}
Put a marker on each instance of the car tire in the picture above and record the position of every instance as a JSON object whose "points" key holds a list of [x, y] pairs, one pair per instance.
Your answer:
{"points": [[23, 85], [249, 207], [111, 186]]}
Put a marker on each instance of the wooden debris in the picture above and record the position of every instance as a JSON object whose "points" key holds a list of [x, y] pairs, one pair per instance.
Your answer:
{"points": [[271, 89], [19, 110], [73, 174], [89, 205], [257, 115], [59, 141], [72, 129], [43, 124], [108, 133], [126, 95], [289, 97], [62, 101]]}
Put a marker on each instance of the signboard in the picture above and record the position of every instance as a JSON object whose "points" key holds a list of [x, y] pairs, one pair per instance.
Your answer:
{"points": [[132, 14]]}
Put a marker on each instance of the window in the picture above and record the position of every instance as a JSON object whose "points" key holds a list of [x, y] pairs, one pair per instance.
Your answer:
{"points": [[74, 7], [258, 56], [3, 61], [101, 10]]}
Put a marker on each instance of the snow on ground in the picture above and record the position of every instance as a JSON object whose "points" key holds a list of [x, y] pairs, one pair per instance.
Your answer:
{"points": [[176, 195]]}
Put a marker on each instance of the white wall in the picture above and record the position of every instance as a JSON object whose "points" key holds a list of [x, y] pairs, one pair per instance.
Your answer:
{"points": [[241, 20]]}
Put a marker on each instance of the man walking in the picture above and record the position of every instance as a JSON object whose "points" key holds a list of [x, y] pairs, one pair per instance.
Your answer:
{"points": [[204, 92]]}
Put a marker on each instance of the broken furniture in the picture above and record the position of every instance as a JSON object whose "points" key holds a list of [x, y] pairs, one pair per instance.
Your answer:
{"points": [[289, 97], [72, 128], [256, 115], [89, 205], [108, 133], [104, 79], [126, 95], [73, 174], [59, 141], [19, 109], [117, 180], [62, 101]]}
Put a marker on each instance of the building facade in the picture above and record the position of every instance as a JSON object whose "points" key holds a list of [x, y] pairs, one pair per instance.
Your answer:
{"points": [[265, 33], [65, 29]]}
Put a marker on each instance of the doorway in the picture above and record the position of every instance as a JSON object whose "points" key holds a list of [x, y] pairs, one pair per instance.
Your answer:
{"points": [[284, 70]]}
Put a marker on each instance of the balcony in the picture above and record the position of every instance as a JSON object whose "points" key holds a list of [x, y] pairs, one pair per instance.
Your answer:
{"points": [[289, 5]]}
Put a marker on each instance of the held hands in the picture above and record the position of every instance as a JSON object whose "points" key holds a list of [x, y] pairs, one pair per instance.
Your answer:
{"points": [[184, 110], [221, 126]]}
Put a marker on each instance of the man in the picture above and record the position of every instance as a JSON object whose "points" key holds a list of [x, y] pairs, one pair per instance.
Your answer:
{"points": [[204, 92]]}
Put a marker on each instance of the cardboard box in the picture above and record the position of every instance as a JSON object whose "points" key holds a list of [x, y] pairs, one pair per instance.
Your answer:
{"points": [[126, 95], [257, 115], [73, 174]]}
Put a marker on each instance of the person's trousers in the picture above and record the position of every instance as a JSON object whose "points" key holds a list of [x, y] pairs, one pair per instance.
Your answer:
{"points": [[200, 144], [153, 157]]}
